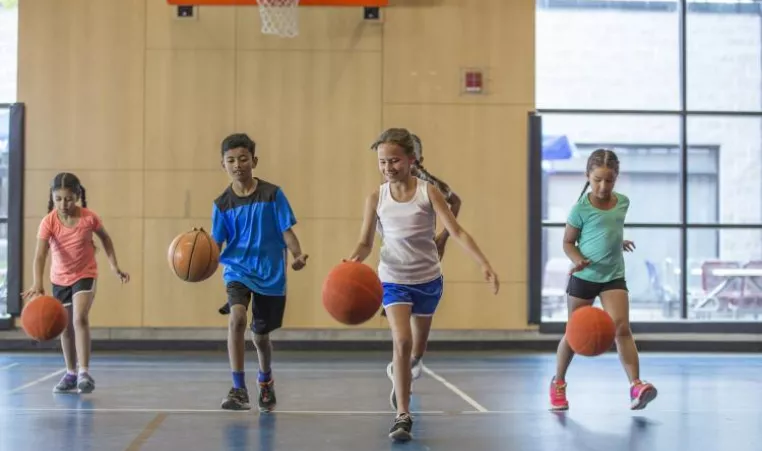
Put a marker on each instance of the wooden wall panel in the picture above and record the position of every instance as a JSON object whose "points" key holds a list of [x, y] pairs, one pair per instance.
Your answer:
{"points": [[118, 305], [81, 74], [212, 28], [472, 306], [190, 105], [137, 102], [111, 194], [314, 116], [183, 194], [425, 49]]}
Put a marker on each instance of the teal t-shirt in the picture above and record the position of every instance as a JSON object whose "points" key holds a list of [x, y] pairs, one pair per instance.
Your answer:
{"points": [[600, 238]]}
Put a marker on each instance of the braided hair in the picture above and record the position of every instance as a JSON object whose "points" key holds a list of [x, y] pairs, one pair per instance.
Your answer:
{"points": [[412, 146], [600, 158], [67, 180], [425, 175]]}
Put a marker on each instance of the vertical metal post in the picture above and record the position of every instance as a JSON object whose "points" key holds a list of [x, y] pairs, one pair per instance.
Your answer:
{"points": [[534, 218], [15, 207]]}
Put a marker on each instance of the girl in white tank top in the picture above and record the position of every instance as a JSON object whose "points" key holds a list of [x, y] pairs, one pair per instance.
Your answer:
{"points": [[404, 211], [408, 252]]}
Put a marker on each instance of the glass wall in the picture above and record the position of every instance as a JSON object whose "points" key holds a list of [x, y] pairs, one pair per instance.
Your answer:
{"points": [[675, 88], [4, 200]]}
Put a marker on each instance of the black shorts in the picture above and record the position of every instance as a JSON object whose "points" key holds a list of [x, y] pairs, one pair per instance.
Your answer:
{"points": [[583, 289], [267, 311], [65, 294]]}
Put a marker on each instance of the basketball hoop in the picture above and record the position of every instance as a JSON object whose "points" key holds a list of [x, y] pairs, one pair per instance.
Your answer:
{"points": [[280, 17]]}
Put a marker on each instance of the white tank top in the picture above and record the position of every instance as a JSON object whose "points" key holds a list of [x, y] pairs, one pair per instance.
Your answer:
{"points": [[408, 252]]}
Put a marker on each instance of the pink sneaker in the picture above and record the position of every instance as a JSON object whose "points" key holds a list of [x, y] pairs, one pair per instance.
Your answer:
{"points": [[641, 393], [558, 396]]}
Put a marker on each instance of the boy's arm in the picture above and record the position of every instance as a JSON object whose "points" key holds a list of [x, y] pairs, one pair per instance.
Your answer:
{"points": [[286, 222], [219, 232]]}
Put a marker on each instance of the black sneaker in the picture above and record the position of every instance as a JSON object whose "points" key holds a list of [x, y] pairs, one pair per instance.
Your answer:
{"points": [[400, 430], [266, 396], [237, 399], [225, 309]]}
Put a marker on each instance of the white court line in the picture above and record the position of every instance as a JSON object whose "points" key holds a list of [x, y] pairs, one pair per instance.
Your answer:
{"points": [[37, 381], [455, 389], [9, 366], [238, 412], [223, 369], [619, 412]]}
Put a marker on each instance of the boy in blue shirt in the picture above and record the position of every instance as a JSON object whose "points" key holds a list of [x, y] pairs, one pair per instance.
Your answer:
{"points": [[254, 220]]}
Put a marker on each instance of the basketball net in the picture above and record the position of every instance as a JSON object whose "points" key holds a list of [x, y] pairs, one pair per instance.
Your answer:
{"points": [[280, 17]]}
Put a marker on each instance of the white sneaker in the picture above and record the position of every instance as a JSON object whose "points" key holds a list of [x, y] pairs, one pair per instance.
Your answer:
{"points": [[417, 369], [392, 395]]}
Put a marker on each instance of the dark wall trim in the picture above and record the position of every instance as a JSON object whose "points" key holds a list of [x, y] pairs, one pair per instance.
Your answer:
{"points": [[534, 218], [16, 207], [652, 6], [672, 225], [612, 112], [675, 327], [542, 345]]}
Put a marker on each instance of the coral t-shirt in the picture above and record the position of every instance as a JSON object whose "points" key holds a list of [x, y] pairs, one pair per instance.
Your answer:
{"points": [[72, 249]]}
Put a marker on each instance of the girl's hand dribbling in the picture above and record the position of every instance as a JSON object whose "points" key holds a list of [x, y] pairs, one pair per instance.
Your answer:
{"points": [[32, 293], [579, 265], [491, 277]]}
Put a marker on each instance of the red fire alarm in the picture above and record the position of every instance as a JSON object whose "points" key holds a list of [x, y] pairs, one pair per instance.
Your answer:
{"points": [[473, 81]]}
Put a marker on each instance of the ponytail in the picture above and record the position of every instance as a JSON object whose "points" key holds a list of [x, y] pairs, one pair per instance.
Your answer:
{"points": [[50, 201], [584, 190], [600, 158], [82, 196], [423, 174]]}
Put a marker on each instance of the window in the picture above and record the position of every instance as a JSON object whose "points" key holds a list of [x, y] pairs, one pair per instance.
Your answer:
{"points": [[4, 191], [9, 25], [675, 88], [607, 54]]}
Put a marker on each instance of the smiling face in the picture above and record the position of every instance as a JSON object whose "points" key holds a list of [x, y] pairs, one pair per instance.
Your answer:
{"points": [[393, 162], [238, 163]]}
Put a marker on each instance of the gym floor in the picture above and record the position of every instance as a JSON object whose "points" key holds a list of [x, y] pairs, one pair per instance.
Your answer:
{"points": [[340, 401]]}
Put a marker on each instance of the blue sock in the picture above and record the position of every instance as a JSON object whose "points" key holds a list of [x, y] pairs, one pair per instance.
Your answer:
{"points": [[264, 377], [239, 379]]}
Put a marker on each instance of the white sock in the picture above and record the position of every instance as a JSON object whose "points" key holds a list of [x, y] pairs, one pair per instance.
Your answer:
{"points": [[82, 370]]}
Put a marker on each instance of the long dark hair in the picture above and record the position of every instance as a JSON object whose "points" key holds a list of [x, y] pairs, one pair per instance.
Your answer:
{"points": [[67, 180]]}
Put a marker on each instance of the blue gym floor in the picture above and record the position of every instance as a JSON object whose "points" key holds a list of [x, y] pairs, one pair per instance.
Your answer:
{"points": [[339, 401]]}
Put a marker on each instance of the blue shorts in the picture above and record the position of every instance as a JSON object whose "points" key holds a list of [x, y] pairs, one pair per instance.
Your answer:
{"points": [[424, 297]]}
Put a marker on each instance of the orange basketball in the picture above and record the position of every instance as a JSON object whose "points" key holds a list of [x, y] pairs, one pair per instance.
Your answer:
{"points": [[193, 256], [590, 331], [352, 293], [44, 318]]}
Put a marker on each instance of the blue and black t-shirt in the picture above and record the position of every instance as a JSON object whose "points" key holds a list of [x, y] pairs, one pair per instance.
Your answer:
{"points": [[251, 229]]}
